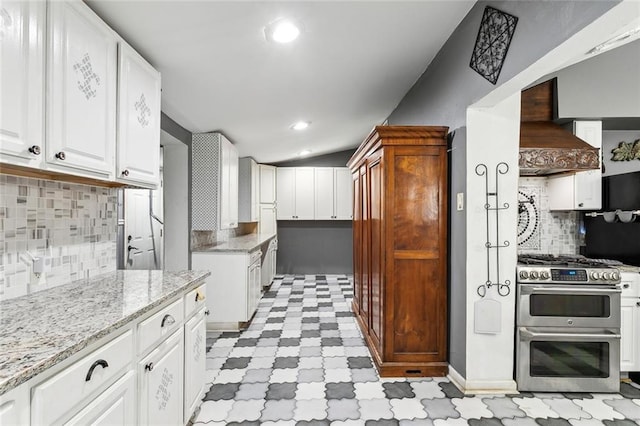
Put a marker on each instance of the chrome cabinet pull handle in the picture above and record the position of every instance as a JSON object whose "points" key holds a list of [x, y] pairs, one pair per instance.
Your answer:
{"points": [[101, 362], [61, 155], [168, 320], [149, 367], [125, 172], [206, 312], [35, 150]]}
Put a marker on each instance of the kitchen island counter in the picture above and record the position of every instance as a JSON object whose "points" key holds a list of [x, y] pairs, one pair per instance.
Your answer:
{"points": [[244, 243], [42, 329]]}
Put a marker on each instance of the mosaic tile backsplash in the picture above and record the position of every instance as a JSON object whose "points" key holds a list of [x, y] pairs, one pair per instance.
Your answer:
{"points": [[72, 225], [540, 230]]}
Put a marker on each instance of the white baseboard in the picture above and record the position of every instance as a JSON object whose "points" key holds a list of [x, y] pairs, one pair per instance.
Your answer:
{"points": [[476, 387]]}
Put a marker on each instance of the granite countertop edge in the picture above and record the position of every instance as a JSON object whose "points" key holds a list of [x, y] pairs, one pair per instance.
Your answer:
{"points": [[28, 373], [244, 243]]}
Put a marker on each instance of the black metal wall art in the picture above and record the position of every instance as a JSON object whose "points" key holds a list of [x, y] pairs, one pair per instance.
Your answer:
{"points": [[494, 37]]}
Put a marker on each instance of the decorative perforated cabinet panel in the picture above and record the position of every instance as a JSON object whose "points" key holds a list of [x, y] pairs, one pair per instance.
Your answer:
{"points": [[205, 170]]}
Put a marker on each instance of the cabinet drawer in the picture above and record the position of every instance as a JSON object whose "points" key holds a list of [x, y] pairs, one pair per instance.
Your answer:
{"points": [[56, 396], [194, 300], [160, 325]]}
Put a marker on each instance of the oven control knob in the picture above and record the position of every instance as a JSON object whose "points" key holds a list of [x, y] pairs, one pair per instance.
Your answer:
{"points": [[615, 276], [534, 275], [544, 275], [595, 275], [570, 321], [606, 276], [524, 275]]}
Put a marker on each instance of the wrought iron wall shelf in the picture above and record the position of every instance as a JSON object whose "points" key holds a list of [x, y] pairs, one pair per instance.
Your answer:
{"points": [[492, 208]]}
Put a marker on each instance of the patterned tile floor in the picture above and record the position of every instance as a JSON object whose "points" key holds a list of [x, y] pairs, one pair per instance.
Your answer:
{"points": [[303, 362]]}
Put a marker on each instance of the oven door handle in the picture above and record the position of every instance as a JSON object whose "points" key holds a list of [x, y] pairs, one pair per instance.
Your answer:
{"points": [[527, 335], [571, 291]]}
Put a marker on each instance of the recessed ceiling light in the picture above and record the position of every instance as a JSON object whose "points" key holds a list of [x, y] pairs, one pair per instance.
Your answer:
{"points": [[282, 31], [304, 152], [300, 125]]}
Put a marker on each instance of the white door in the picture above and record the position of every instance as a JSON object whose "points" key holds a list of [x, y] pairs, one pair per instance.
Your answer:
{"points": [[255, 188], [343, 193], [588, 185], [161, 377], [286, 186], [324, 196], [630, 334], [304, 193], [22, 82], [194, 362], [143, 241], [138, 119], [81, 95], [115, 406], [267, 184]]}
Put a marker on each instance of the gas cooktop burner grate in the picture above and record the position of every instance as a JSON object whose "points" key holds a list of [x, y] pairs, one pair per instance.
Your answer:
{"points": [[561, 260]]}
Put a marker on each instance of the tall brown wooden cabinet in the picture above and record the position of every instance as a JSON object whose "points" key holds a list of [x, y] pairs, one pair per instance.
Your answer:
{"points": [[400, 248]]}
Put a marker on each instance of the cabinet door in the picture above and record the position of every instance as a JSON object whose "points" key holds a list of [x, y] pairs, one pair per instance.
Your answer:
{"points": [[343, 195], [14, 407], [588, 185], [364, 247], [274, 262], [254, 288], [267, 184], [255, 196], [81, 96], [357, 241], [161, 383], [267, 224], [376, 248], [228, 185], [286, 187], [138, 119], [630, 334], [324, 195], [115, 406], [304, 189], [22, 82], [195, 337]]}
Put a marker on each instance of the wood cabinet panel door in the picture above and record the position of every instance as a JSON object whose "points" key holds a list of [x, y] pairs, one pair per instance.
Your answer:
{"points": [[417, 264], [357, 239], [376, 248], [364, 249]]}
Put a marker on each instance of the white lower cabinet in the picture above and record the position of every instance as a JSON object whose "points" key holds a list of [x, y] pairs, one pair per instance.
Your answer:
{"points": [[160, 378], [115, 406], [149, 372], [14, 407], [630, 322], [269, 263], [234, 290], [195, 339]]}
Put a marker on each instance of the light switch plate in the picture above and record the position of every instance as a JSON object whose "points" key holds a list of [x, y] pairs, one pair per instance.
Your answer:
{"points": [[460, 201]]}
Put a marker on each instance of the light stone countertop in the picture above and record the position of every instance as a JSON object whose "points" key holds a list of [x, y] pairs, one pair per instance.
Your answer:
{"points": [[244, 243], [42, 329]]}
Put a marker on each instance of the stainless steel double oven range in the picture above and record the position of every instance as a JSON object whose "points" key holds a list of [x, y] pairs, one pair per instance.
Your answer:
{"points": [[568, 325]]}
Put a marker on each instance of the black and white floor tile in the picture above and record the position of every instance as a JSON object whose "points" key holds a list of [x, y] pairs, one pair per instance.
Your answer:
{"points": [[303, 362]]}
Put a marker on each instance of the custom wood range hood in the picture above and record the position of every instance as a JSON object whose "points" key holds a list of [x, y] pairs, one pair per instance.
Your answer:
{"points": [[545, 147]]}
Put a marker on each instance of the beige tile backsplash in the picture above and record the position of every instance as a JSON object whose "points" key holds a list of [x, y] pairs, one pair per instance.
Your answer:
{"points": [[73, 225]]}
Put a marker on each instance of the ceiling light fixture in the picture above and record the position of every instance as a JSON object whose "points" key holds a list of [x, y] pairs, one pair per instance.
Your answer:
{"points": [[300, 125], [304, 152], [282, 30], [614, 41]]}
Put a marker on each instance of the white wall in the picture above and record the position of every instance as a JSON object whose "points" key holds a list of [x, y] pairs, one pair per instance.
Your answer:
{"points": [[176, 204]]}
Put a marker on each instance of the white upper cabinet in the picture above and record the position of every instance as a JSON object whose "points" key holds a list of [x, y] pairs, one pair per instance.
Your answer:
{"points": [[295, 193], [333, 193], [138, 149], [267, 184], [229, 186], [22, 82], [81, 95], [582, 190]]}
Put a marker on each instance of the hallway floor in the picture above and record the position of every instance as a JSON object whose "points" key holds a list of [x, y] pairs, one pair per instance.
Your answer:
{"points": [[303, 362]]}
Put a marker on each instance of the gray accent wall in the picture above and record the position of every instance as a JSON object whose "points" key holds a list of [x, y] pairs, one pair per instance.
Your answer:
{"points": [[448, 86], [316, 246]]}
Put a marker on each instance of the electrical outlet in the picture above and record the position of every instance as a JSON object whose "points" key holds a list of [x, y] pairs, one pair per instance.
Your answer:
{"points": [[460, 201]]}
